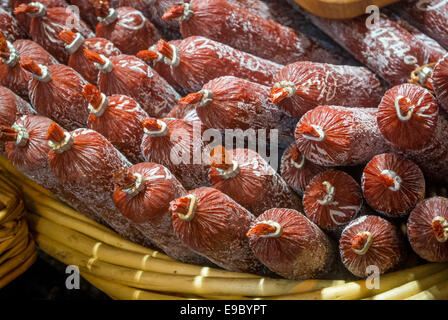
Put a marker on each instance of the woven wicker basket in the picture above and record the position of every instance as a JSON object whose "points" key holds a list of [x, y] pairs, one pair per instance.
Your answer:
{"points": [[124, 270], [17, 248], [340, 9]]}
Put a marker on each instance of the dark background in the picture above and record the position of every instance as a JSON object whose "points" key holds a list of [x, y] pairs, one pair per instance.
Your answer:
{"points": [[45, 280]]}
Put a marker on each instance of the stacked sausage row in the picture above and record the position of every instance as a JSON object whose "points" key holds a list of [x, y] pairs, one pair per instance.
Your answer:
{"points": [[98, 119]]}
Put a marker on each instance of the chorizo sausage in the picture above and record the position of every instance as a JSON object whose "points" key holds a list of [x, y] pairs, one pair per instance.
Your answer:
{"points": [[339, 136], [241, 29], [215, 226], [196, 60], [291, 245], [47, 23], [11, 74]]}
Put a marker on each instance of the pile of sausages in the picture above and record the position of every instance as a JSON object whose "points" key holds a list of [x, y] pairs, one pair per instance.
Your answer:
{"points": [[109, 108]]}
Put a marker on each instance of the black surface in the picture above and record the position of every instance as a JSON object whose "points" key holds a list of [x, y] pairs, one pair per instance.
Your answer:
{"points": [[45, 280]]}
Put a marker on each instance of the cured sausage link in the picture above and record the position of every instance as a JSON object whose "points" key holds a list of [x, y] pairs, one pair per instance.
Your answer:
{"points": [[332, 199], [301, 86], [408, 117], [47, 23], [296, 170], [75, 43], [427, 229], [194, 61], [10, 27], [118, 118], [392, 185], [176, 144], [12, 107], [27, 149], [339, 136], [25, 21], [439, 82], [234, 103], [435, 50], [12, 75], [215, 226], [143, 194], [159, 7], [62, 86], [429, 16], [371, 241], [248, 179], [241, 29], [126, 27], [84, 161], [128, 75], [291, 245], [385, 47]]}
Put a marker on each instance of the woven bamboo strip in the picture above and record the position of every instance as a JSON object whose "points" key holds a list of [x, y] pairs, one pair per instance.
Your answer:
{"points": [[359, 290], [10, 168], [19, 270], [438, 291], [18, 260], [17, 250], [198, 285], [125, 270], [121, 292], [13, 210], [106, 236], [10, 186], [19, 247], [14, 249], [7, 230], [36, 194], [49, 206], [21, 233], [35, 199], [13, 206], [15, 213], [412, 288], [8, 197], [112, 255]]}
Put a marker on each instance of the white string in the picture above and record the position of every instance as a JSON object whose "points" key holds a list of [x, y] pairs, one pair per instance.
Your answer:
{"points": [[207, 98], [288, 86], [191, 209], [320, 131], [111, 17], [329, 197], [300, 164], [98, 112], [408, 116], [394, 176], [40, 13], [278, 229], [159, 133], [75, 44], [137, 187]]}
